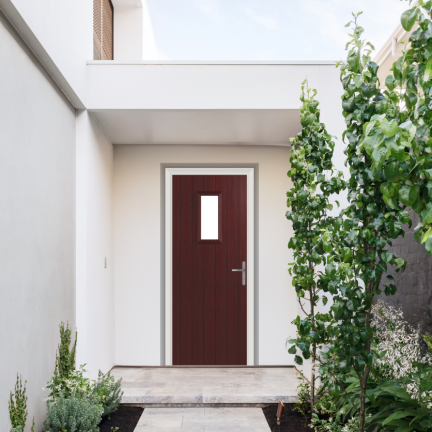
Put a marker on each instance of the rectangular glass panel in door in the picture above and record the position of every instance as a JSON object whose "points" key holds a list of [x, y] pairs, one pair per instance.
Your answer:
{"points": [[209, 300], [209, 217]]}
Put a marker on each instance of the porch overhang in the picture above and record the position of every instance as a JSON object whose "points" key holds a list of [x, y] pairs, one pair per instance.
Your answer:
{"points": [[220, 103]]}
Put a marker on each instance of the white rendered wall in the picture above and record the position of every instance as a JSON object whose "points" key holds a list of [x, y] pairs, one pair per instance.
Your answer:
{"points": [[95, 289], [137, 245], [128, 33], [64, 29], [149, 42], [37, 223], [133, 32], [211, 85]]}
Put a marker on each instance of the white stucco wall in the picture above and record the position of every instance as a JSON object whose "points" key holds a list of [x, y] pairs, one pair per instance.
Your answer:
{"points": [[133, 32], [95, 289], [37, 223], [138, 241], [64, 29]]}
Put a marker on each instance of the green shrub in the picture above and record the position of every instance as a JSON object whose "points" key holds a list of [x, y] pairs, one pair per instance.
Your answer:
{"points": [[108, 392], [303, 391], [75, 385], [65, 362], [18, 408], [73, 414], [326, 417]]}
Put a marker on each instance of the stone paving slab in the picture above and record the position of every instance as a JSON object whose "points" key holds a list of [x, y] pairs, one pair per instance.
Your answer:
{"points": [[207, 385], [202, 420]]}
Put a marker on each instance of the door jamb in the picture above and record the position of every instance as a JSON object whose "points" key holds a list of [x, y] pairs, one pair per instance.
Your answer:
{"points": [[249, 172]]}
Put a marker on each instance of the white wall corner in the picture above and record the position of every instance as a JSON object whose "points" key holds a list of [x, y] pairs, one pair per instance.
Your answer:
{"points": [[81, 234]]}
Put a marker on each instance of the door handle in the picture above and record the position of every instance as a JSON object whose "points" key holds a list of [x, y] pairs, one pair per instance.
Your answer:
{"points": [[243, 270]]}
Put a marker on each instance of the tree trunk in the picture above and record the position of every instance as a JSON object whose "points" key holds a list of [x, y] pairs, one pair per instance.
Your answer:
{"points": [[312, 386], [362, 413]]}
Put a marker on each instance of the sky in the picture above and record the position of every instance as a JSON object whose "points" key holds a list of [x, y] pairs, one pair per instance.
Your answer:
{"points": [[266, 29]]}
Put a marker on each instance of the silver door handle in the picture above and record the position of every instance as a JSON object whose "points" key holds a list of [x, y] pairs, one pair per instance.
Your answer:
{"points": [[243, 270]]}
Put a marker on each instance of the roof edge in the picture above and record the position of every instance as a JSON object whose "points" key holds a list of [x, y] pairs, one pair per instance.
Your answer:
{"points": [[211, 62]]}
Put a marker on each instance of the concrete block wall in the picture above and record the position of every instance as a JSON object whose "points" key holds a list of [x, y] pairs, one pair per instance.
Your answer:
{"points": [[414, 294]]}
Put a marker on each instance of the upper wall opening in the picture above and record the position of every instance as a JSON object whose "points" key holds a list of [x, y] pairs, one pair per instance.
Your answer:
{"points": [[103, 30]]}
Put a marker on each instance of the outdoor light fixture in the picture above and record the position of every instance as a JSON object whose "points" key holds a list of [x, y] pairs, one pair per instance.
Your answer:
{"points": [[279, 412]]}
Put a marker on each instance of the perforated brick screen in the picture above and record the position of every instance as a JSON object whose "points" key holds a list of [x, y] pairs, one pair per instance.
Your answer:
{"points": [[103, 30]]}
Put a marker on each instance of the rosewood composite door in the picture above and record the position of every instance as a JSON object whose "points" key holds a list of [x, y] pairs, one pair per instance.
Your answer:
{"points": [[209, 299]]}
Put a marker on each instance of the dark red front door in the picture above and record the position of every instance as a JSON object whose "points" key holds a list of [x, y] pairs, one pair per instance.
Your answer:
{"points": [[209, 299]]}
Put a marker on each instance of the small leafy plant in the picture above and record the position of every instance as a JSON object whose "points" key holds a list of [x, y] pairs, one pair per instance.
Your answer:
{"points": [[64, 370], [75, 384], [108, 392], [326, 417], [18, 407], [303, 392]]}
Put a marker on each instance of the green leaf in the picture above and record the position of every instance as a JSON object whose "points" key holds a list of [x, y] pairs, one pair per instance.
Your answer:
{"points": [[304, 328], [298, 360], [428, 72], [349, 105], [408, 194], [352, 305], [389, 192], [389, 128], [347, 255], [324, 300], [400, 262], [292, 350], [314, 335], [334, 390], [426, 216], [404, 428], [408, 18], [398, 415], [373, 141], [379, 156], [398, 152], [392, 171], [368, 127], [389, 82], [409, 128], [354, 339], [410, 100], [354, 60], [330, 271], [404, 217], [396, 390], [428, 245], [426, 235], [387, 256], [327, 247]]}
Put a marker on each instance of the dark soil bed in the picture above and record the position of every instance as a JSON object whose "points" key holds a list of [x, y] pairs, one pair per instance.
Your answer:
{"points": [[125, 418], [291, 420]]}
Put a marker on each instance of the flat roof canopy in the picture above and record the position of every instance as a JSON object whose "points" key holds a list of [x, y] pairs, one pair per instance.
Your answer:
{"points": [[251, 103], [253, 127]]}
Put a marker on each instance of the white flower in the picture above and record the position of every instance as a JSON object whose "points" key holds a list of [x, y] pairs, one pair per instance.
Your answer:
{"points": [[400, 345]]}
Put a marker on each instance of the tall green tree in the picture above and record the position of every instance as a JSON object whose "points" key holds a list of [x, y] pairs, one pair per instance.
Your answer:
{"points": [[409, 167], [353, 274], [314, 180]]}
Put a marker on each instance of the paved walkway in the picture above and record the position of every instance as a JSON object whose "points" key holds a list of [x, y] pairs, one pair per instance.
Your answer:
{"points": [[202, 420], [207, 386]]}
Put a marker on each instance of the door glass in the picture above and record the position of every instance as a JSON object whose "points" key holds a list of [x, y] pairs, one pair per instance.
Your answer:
{"points": [[209, 217]]}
